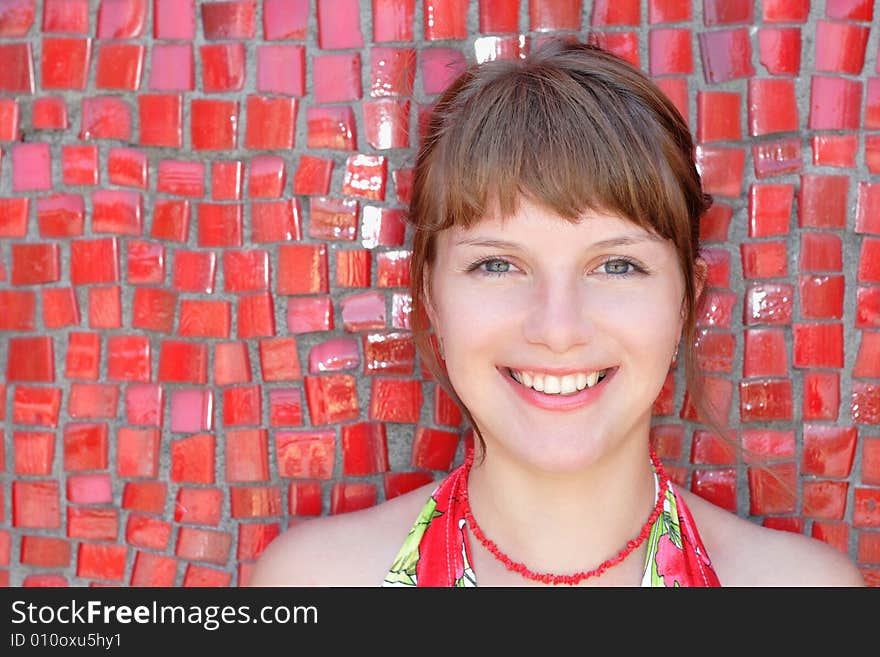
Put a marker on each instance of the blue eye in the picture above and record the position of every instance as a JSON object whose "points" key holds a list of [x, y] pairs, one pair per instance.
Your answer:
{"points": [[496, 267], [619, 267]]}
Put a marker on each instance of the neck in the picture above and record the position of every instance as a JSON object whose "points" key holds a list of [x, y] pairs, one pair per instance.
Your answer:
{"points": [[563, 522]]}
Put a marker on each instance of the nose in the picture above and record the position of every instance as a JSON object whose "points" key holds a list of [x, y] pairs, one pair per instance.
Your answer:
{"points": [[557, 316]]}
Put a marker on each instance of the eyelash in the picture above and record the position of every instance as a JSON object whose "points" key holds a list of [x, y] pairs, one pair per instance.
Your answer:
{"points": [[474, 266]]}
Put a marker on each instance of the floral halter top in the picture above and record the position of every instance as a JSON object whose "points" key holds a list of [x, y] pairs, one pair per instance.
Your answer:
{"points": [[437, 553]]}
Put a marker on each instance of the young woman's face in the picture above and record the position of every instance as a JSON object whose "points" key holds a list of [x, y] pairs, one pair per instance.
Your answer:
{"points": [[541, 296]]}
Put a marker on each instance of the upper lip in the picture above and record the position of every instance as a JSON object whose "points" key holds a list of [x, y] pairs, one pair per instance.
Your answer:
{"points": [[558, 371]]}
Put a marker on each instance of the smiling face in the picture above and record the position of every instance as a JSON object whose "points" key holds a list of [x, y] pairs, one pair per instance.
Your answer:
{"points": [[560, 298]]}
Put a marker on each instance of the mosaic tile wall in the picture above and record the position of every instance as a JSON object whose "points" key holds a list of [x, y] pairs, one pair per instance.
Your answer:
{"points": [[203, 266]]}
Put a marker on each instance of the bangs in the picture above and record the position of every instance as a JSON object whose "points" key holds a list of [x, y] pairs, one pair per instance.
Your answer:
{"points": [[570, 139]]}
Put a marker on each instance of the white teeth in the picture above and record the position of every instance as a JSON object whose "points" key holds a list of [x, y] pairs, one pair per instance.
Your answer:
{"points": [[565, 385]]}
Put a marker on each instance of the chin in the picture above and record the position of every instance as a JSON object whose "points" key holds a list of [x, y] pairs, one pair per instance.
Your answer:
{"points": [[562, 455]]}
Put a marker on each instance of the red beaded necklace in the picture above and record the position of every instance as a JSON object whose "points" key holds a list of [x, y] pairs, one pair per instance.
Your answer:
{"points": [[551, 578]]}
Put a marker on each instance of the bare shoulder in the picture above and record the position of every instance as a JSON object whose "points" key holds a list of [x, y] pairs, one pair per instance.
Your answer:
{"points": [[744, 553], [349, 549]]}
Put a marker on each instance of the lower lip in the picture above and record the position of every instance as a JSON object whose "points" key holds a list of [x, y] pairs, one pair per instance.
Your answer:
{"points": [[558, 402]]}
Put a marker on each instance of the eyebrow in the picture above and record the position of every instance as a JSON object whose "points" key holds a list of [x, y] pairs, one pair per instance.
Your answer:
{"points": [[623, 240]]}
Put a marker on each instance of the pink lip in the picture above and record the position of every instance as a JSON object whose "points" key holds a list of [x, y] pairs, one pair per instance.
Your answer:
{"points": [[559, 402]]}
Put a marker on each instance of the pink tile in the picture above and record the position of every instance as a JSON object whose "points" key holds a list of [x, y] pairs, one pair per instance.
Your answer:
{"points": [[726, 55], [339, 24], [31, 167], [285, 19], [337, 78], [174, 19], [393, 20], [172, 67], [333, 355], [192, 410], [281, 69], [439, 67]]}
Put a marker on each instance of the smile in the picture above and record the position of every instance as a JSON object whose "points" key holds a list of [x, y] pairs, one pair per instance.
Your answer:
{"points": [[559, 401]]}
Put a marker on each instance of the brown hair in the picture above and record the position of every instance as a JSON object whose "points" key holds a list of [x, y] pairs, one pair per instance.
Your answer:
{"points": [[572, 127]]}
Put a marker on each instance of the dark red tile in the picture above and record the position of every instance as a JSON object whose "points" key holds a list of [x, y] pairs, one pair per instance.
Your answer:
{"points": [[229, 20], [308, 314], [365, 176], [717, 485], [773, 158], [267, 177], [279, 359], [446, 411], [393, 269], [840, 47], [364, 449], [119, 66], [772, 492], [350, 496], [35, 264], [393, 20], [255, 502], [718, 116], [439, 67], [223, 67], [765, 400], [821, 297], [395, 400], [834, 103], [276, 221], [106, 117], [821, 396], [172, 67], [726, 55], [765, 353], [30, 359], [183, 362], [434, 449], [281, 69], [333, 218], [331, 127], [780, 50], [820, 251], [669, 51], [17, 75], [49, 113], [772, 106], [725, 12], [766, 259], [398, 483]]}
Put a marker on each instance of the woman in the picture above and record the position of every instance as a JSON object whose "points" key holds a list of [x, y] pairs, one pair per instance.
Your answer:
{"points": [[556, 210]]}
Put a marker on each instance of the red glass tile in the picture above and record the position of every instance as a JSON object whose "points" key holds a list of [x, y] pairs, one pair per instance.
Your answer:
{"points": [[60, 307], [822, 201], [866, 508], [708, 448], [332, 218], [281, 69], [44, 551], [725, 12], [192, 460], [227, 180], [146, 496], [717, 485], [786, 11], [214, 124], [247, 455], [246, 271], [172, 67], [39, 406], [79, 166], [393, 268], [439, 67], [144, 404], [840, 47], [872, 103], [868, 358], [382, 226], [718, 392], [119, 66], [331, 398], [717, 309], [869, 547], [83, 356], [865, 402], [339, 25], [772, 106], [446, 412], [137, 452], [333, 355], [780, 50], [443, 19], [16, 18], [331, 127], [204, 318], [242, 406], [869, 261], [765, 353], [491, 48], [767, 494], [103, 562], [18, 310], [229, 20], [220, 224], [61, 215], [770, 209], [161, 121], [203, 544], [821, 396], [868, 208], [764, 400], [256, 316], [870, 471], [199, 506], [828, 451], [364, 449], [128, 358], [669, 51], [395, 400], [65, 64], [302, 269], [194, 271], [223, 67], [49, 113], [393, 20], [718, 116], [279, 359], [386, 124], [857, 10], [363, 312], [174, 19], [835, 150], [389, 353], [266, 177], [868, 307], [192, 410], [66, 16], [31, 167], [153, 570], [34, 452], [820, 251], [313, 175], [365, 176], [105, 118], [821, 296], [145, 262], [676, 89], [768, 259], [349, 496], [818, 345], [666, 440], [253, 538], [774, 158], [276, 221], [337, 78], [834, 103], [499, 16], [548, 15], [153, 309], [285, 407], [14, 216], [118, 211], [836, 534], [17, 76], [255, 501], [726, 55], [307, 314], [353, 268], [434, 449], [183, 362], [9, 120], [94, 524], [306, 454], [721, 169], [93, 400], [36, 504], [231, 363], [403, 184], [392, 71], [30, 359], [34, 264], [121, 19], [285, 19], [85, 447], [305, 498], [627, 12], [201, 576]]}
